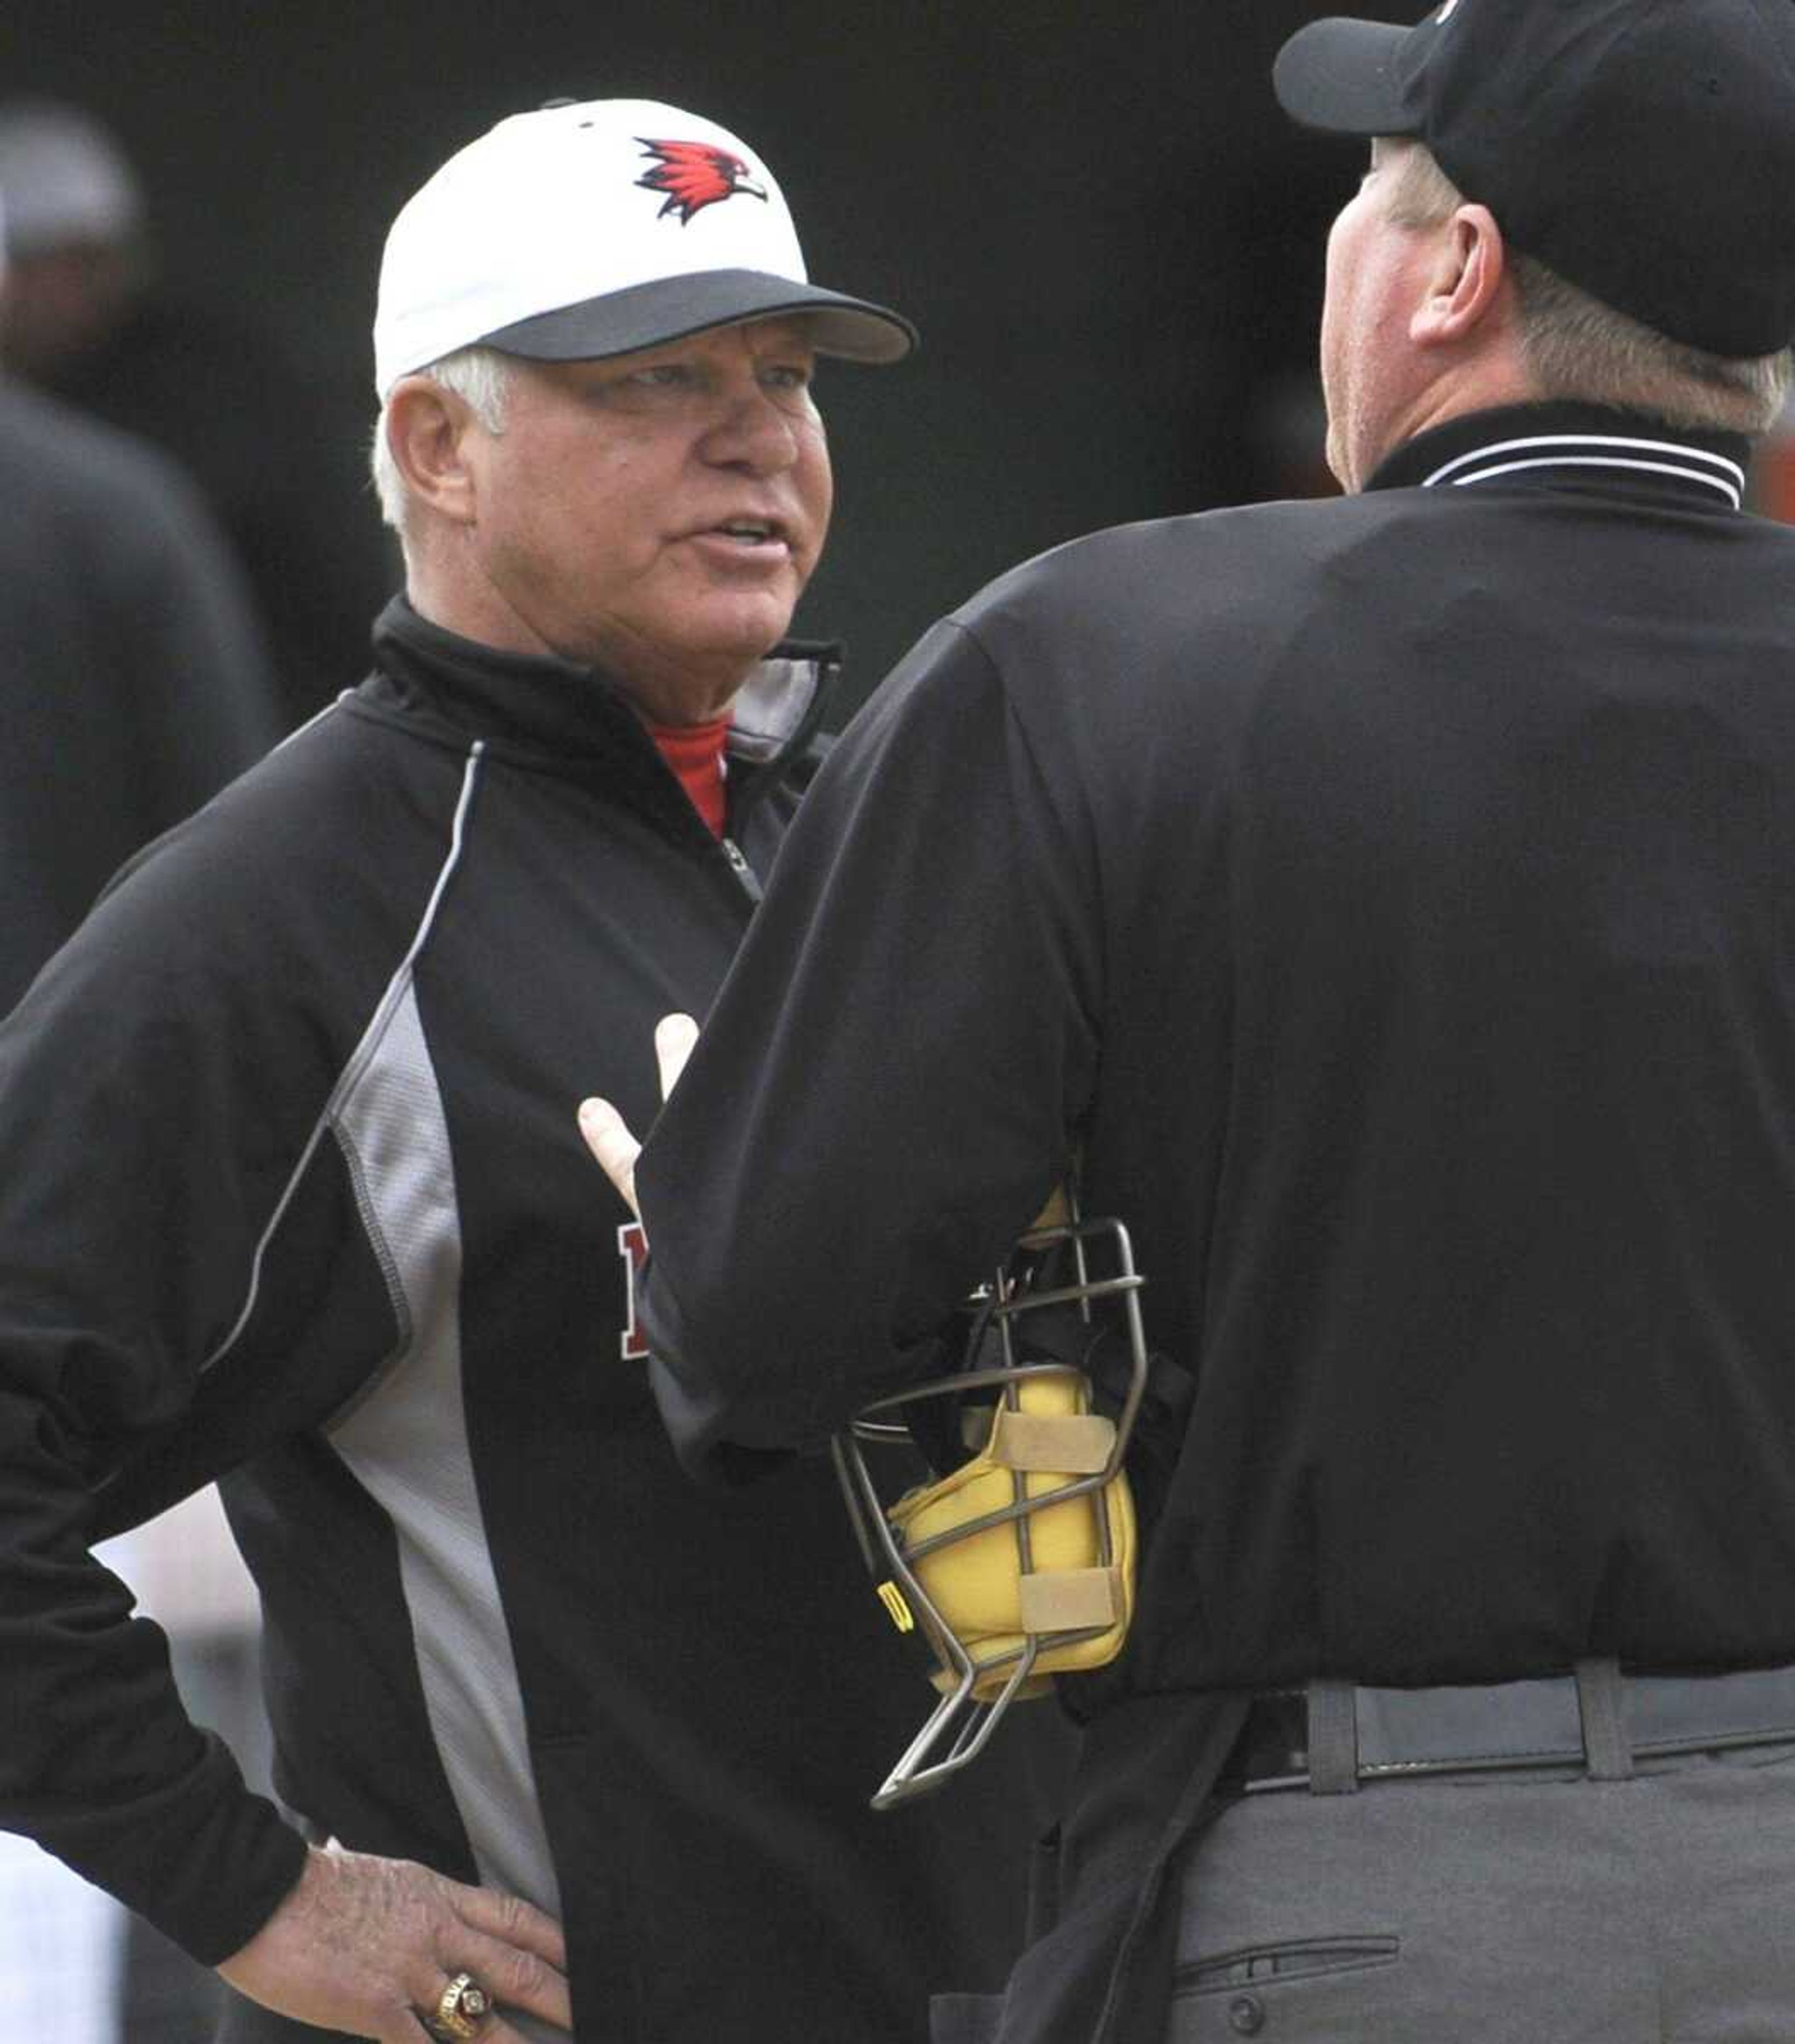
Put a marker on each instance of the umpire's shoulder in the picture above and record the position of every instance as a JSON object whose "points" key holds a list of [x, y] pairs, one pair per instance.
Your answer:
{"points": [[1135, 581]]}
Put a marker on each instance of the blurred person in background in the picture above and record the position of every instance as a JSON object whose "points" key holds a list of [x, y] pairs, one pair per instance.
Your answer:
{"points": [[135, 683], [93, 321], [135, 669]]}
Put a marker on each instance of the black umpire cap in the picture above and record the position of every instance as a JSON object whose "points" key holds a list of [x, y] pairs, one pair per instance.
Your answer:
{"points": [[1642, 149]]}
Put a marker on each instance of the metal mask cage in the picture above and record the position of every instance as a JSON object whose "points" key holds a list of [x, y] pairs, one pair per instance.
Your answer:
{"points": [[1051, 1269]]}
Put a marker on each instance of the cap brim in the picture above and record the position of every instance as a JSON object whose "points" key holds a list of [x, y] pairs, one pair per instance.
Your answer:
{"points": [[1340, 76], [670, 308]]}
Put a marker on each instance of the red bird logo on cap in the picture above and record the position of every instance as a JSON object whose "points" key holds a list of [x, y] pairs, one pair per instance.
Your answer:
{"points": [[694, 175]]}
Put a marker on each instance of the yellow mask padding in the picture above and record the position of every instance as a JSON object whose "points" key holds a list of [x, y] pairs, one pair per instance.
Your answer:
{"points": [[1075, 1604]]}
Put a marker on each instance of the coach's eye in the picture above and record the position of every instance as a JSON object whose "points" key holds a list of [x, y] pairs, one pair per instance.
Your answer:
{"points": [[663, 376], [788, 385]]}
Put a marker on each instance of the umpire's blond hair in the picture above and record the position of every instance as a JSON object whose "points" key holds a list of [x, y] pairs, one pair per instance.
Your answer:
{"points": [[1573, 346]]}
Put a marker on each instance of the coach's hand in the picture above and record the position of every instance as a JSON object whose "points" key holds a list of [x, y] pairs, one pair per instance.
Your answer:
{"points": [[608, 1136], [367, 1946]]}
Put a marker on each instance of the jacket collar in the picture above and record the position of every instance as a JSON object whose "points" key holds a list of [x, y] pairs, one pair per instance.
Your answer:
{"points": [[555, 712], [1574, 446]]}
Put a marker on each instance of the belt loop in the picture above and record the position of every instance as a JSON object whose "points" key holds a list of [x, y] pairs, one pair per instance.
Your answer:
{"points": [[1605, 1744], [1333, 1738]]}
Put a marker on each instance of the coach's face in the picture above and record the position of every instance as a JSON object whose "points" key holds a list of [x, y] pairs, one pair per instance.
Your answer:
{"points": [[1377, 269], [656, 515]]}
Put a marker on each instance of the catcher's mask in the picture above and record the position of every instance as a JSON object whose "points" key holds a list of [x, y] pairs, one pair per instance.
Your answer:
{"points": [[1016, 1561]]}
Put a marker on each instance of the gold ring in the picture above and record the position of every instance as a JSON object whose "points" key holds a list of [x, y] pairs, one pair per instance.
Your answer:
{"points": [[463, 2006]]}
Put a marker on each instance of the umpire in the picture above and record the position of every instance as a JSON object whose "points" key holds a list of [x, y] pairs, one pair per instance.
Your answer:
{"points": [[1393, 900]]}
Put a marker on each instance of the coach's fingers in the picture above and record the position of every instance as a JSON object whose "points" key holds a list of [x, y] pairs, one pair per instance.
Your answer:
{"points": [[514, 1979], [608, 1137], [674, 1036], [493, 2029], [512, 1921]]}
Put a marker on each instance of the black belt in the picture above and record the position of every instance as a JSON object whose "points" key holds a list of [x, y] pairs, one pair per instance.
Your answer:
{"points": [[1334, 1735]]}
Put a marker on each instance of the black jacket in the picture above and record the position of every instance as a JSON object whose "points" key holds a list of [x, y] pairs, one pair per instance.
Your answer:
{"points": [[1391, 901], [294, 1196]]}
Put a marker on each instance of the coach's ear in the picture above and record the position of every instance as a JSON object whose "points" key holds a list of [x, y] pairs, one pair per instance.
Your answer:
{"points": [[608, 1136], [427, 427]]}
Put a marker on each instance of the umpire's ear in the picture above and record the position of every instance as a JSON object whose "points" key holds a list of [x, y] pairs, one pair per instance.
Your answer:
{"points": [[428, 431], [1465, 298]]}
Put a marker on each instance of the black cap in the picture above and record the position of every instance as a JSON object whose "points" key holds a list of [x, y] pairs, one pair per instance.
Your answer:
{"points": [[1643, 149]]}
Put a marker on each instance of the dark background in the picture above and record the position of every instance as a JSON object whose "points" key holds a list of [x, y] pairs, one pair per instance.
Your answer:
{"points": [[1110, 238]]}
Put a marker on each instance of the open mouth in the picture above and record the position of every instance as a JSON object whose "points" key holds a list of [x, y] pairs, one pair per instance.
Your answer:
{"points": [[752, 532]]}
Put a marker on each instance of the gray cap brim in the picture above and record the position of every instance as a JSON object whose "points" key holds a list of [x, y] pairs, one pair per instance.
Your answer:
{"points": [[1340, 76], [670, 308]]}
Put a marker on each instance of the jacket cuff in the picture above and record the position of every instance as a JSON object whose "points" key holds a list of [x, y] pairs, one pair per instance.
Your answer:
{"points": [[208, 1863]]}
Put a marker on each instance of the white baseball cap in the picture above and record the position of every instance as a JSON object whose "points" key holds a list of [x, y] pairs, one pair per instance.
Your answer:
{"points": [[595, 228]]}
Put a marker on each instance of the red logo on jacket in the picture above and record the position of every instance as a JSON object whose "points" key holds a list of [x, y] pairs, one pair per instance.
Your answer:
{"points": [[632, 1246]]}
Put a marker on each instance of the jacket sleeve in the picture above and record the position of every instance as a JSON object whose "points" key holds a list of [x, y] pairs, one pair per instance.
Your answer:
{"points": [[149, 1112], [889, 1085]]}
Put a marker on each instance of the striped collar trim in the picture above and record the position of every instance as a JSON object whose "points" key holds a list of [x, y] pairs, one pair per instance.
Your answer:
{"points": [[1611, 451], [1567, 444]]}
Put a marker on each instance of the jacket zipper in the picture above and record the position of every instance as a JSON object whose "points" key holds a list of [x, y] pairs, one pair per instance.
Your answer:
{"points": [[745, 876]]}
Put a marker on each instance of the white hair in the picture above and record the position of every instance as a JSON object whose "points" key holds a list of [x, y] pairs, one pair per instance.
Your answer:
{"points": [[1574, 346], [481, 377]]}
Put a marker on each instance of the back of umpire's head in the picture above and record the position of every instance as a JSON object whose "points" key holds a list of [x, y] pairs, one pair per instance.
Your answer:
{"points": [[1634, 154]]}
